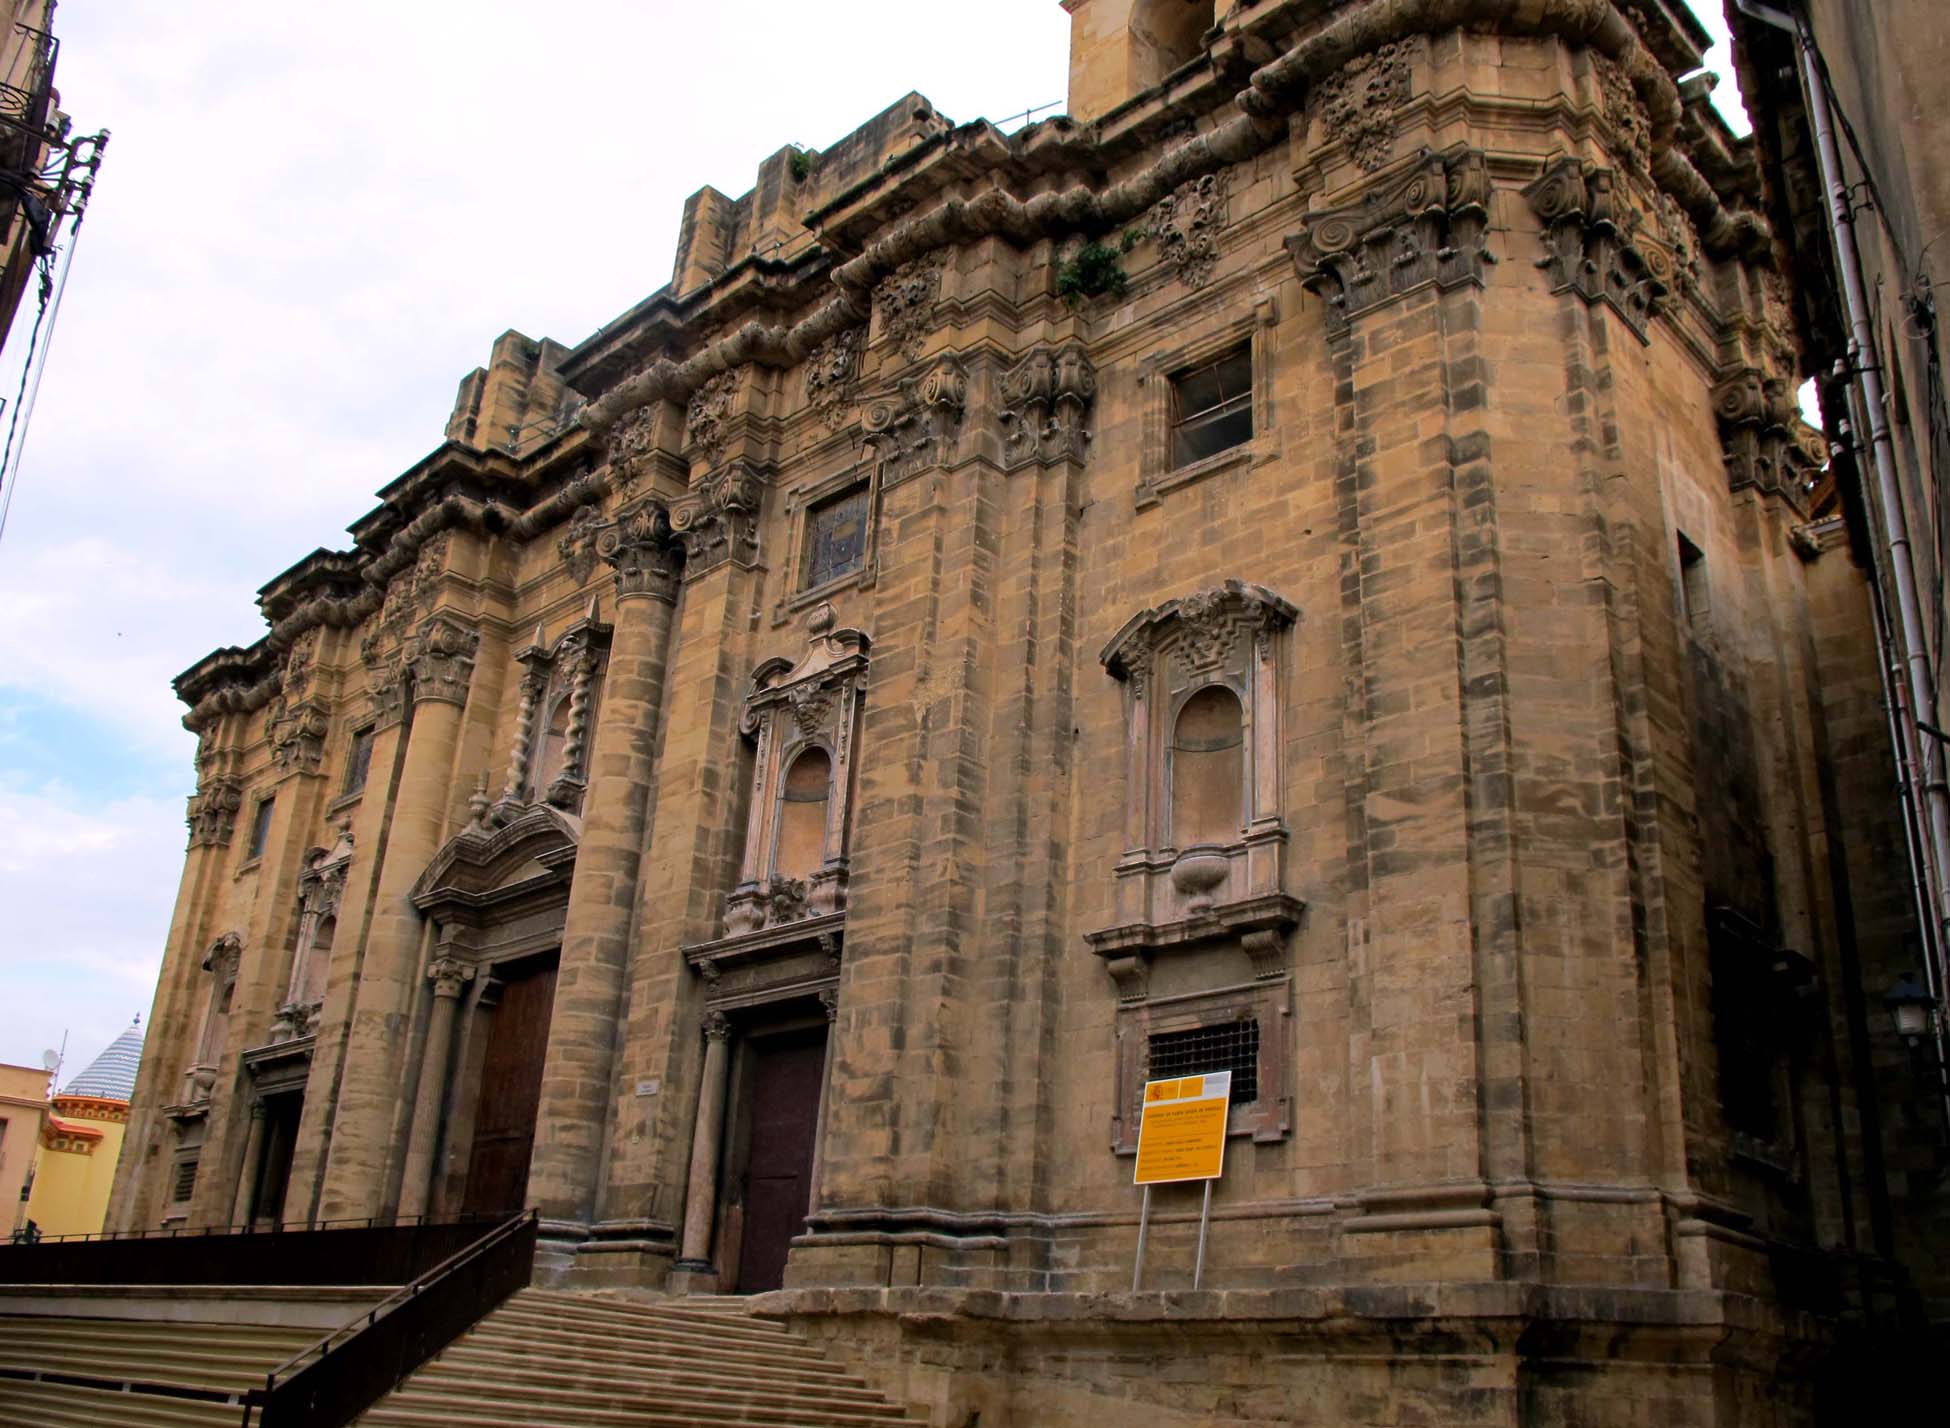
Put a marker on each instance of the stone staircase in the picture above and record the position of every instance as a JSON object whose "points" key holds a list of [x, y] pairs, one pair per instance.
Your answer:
{"points": [[548, 1359], [74, 1355]]}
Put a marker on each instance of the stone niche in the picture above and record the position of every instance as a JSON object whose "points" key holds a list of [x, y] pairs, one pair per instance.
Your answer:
{"points": [[1202, 877]]}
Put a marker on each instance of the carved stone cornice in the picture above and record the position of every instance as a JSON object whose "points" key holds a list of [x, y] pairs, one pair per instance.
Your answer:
{"points": [[646, 555], [1764, 441], [440, 657], [1046, 400], [718, 519], [1201, 631], [916, 425], [1428, 226], [1588, 244], [212, 813], [297, 735]]}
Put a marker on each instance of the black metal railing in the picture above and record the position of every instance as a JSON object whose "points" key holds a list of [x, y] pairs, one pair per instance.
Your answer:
{"points": [[352, 1368], [344, 1252]]}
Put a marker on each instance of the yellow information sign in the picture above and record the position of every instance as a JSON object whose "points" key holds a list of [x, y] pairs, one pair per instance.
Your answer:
{"points": [[1182, 1131]]}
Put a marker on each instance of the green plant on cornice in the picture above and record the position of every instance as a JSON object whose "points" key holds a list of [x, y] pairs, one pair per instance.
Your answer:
{"points": [[800, 165], [1095, 269]]}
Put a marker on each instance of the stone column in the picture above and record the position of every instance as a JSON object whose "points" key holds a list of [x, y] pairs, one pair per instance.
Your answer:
{"points": [[441, 662], [596, 928], [448, 975], [830, 1001], [701, 1198], [240, 1209]]}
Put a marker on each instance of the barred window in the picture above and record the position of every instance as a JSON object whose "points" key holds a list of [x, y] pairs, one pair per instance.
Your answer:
{"points": [[1212, 407], [836, 537], [1224, 1046]]}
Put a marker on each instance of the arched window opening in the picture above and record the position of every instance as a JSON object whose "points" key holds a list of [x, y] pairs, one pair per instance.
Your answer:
{"points": [[1166, 34], [555, 741], [802, 815], [1208, 762]]}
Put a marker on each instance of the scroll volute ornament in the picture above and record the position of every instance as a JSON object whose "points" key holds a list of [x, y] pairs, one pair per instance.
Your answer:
{"points": [[791, 710], [1046, 401], [1589, 247], [1427, 226], [440, 656], [718, 519], [1763, 440]]}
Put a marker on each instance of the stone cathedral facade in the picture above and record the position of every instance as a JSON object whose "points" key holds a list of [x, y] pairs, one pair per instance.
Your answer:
{"points": [[1307, 565]]}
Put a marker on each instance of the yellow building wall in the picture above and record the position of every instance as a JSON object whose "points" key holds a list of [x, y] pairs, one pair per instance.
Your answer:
{"points": [[23, 1105], [72, 1177]]}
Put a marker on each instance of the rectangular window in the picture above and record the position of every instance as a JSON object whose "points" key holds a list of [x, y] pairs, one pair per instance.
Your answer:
{"points": [[184, 1185], [261, 827], [1212, 407], [836, 537], [358, 760], [1225, 1046]]}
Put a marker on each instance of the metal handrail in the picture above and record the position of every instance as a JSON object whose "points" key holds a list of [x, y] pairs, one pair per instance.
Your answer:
{"points": [[279, 1405], [282, 1227]]}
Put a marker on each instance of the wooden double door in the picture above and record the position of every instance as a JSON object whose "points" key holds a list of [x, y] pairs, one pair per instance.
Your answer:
{"points": [[511, 1088], [779, 1107]]}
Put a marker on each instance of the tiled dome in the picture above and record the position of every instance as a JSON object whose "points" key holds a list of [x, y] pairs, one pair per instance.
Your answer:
{"points": [[112, 1074]]}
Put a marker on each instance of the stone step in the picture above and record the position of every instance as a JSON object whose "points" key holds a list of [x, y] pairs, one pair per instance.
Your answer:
{"points": [[403, 1410], [596, 1334], [190, 1355], [548, 1359], [567, 1307], [499, 1353], [706, 1377], [43, 1405]]}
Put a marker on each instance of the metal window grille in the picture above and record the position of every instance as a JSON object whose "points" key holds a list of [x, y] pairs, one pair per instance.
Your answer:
{"points": [[1224, 1046], [1212, 407], [185, 1180]]}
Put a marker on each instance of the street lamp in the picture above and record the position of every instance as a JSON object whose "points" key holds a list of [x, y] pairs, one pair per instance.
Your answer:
{"points": [[1911, 1008]]}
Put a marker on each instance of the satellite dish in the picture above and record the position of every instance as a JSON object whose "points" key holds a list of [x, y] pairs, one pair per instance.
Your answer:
{"points": [[50, 1060]]}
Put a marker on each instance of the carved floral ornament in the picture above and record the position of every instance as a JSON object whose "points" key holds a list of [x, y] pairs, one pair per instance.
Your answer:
{"points": [[793, 709], [1624, 111], [1764, 441], [830, 373], [904, 302], [1186, 225], [630, 441], [1427, 226], [1361, 102], [577, 544], [212, 813], [708, 415], [297, 735]]}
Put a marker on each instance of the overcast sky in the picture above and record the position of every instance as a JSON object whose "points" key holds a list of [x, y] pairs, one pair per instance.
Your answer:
{"points": [[312, 221]]}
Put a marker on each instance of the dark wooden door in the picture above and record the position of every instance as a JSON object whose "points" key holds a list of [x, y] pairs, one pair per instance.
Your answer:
{"points": [[511, 1091], [778, 1174]]}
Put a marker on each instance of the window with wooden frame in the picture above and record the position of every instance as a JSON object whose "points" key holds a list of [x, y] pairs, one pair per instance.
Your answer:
{"points": [[1212, 407]]}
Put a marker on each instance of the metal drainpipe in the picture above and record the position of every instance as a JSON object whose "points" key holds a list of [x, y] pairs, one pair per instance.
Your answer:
{"points": [[1924, 764]]}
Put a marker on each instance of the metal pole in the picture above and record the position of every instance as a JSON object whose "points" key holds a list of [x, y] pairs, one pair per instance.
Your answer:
{"points": [[1204, 1219], [1144, 1223]]}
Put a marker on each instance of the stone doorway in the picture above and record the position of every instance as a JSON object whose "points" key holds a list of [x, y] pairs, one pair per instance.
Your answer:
{"points": [[780, 1110], [281, 1116], [511, 1087]]}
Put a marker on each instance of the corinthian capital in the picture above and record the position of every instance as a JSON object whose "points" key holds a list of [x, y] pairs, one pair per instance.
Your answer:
{"points": [[441, 658], [646, 555]]}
